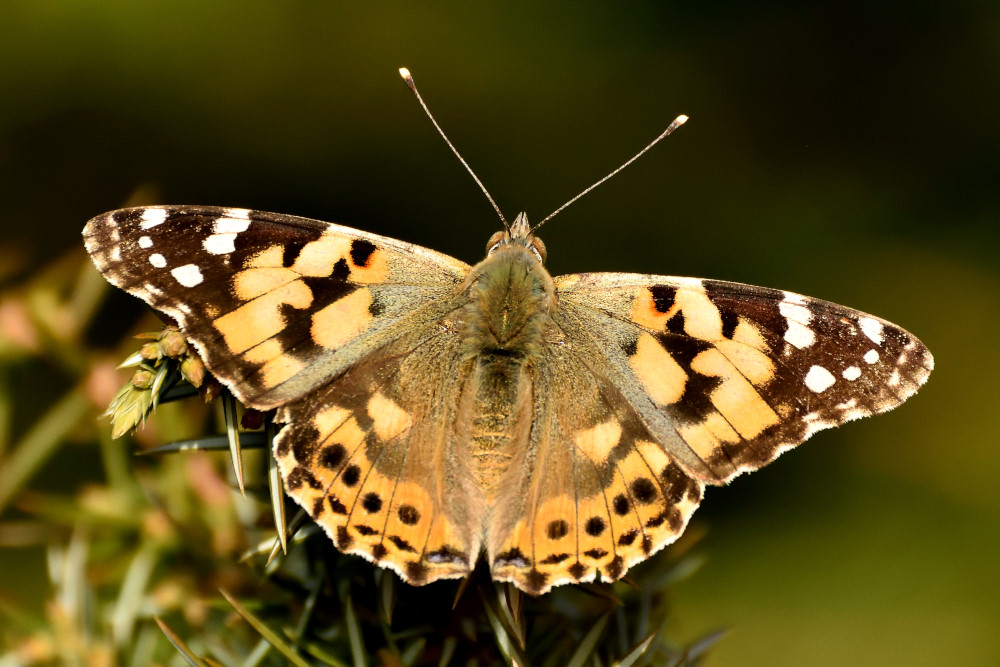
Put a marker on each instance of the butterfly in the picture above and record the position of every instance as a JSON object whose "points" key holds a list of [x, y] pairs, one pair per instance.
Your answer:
{"points": [[565, 427]]}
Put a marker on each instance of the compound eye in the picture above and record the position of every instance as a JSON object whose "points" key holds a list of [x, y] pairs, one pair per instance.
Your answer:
{"points": [[539, 249], [495, 241]]}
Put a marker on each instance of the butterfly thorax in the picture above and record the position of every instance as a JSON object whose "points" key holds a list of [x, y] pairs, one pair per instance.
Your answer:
{"points": [[510, 298]]}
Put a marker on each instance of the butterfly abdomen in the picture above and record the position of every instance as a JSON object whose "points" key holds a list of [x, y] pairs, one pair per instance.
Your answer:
{"points": [[495, 415]]}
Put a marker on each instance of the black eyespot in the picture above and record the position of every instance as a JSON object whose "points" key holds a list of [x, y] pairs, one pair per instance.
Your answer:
{"points": [[330, 457], [371, 502], [594, 526], [557, 529], [351, 475], [644, 490], [408, 514]]}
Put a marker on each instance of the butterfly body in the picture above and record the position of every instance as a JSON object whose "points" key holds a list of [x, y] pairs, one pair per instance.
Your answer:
{"points": [[434, 412]]}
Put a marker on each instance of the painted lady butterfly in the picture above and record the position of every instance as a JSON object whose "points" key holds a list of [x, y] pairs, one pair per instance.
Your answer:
{"points": [[434, 410]]}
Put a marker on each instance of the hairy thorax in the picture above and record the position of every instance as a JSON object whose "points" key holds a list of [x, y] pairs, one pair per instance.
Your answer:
{"points": [[511, 297]]}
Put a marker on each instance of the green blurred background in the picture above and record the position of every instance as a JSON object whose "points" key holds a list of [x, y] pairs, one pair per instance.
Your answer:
{"points": [[843, 150]]}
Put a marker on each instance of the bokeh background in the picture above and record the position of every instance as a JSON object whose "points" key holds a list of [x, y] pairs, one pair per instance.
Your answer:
{"points": [[848, 150]]}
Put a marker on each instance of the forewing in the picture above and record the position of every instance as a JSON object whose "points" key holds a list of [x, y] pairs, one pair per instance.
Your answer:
{"points": [[277, 305], [728, 376]]}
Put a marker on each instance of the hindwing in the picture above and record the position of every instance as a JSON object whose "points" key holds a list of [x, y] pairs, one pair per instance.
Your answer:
{"points": [[373, 456], [596, 492]]}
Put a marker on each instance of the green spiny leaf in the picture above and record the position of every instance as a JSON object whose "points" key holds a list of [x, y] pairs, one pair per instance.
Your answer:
{"points": [[179, 644], [266, 632], [354, 634], [589, 642], [637, 652]]}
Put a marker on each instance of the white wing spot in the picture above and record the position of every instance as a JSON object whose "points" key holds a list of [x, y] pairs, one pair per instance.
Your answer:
{"points": [[894, 378], [231, 225], [799, 335], [871, 356], [152, 217], [812, 418], [145, 242], [792, 297], [188, 275], [220, 244], [158, 260], [851, 373], [116, 254], [797, 316], [241, 213], [153, 289], [818, 379], [872, 329], [694, 283]]}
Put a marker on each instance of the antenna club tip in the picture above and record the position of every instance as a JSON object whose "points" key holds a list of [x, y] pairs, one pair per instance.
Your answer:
{"points": [[680, 120], [407, 77]]}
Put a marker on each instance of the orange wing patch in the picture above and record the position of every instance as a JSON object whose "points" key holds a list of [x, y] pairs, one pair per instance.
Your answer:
{"points": [[317, 258], [735, 398], [597, 442], [275, 366], [260, 319], [343, 319], [660, 375]]}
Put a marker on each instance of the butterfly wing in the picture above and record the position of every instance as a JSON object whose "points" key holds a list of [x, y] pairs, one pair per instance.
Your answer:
{"points": [[655, 386], [276, 304], [340, 330], [733, 375], [596, 493], [373, 456]]}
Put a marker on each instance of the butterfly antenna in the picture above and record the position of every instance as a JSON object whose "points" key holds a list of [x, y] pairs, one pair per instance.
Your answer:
{"points": [[677, 122], [408, 78]]}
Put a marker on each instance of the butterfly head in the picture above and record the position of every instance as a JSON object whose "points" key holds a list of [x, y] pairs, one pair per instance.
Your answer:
{"points": [[518, 236]]}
